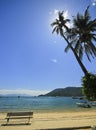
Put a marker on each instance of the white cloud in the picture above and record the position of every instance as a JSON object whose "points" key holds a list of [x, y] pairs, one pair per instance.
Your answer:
{"points": [[23, 92], [93, 2], [54, 60]]}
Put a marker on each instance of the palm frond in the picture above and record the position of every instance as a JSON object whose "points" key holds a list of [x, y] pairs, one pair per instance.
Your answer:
{"points": [[92, 47], [92, 25], [54, 23], [60, 16], [61, 32], [71, 34], [88, 52], [87, 15], [67, 20], [77, 46], [81, 52], [67, 48], [94, 38], [54, 29], [72, 44]]}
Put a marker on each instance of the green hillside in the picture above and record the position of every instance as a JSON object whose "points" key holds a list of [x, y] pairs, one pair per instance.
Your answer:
{"points": [[67, 92]]}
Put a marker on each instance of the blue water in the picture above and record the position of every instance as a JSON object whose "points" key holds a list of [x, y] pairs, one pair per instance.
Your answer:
{"points": [[37, 104]]}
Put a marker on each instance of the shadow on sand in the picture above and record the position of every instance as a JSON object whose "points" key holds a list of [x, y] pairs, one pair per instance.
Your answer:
{"points": [[17, 124]]}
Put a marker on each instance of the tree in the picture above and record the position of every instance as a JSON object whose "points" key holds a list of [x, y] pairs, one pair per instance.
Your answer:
{"points": [[80, 39], [89, 86], [84, 34], [61, 28]]}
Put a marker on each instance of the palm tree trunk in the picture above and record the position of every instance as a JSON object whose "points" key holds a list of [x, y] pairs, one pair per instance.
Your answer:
{"points": [[76, 56]]}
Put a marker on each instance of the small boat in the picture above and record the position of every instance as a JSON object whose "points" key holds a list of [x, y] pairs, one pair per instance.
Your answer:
{"points": [[74, 97], [83, 104], [94, 103]]}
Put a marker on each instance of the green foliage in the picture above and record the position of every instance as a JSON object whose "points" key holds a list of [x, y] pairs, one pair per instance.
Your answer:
{"points": [[89, 86]]}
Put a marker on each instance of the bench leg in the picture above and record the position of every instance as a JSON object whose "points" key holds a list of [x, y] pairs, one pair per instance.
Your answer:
{"points": [[28, 120], [7, 120]]}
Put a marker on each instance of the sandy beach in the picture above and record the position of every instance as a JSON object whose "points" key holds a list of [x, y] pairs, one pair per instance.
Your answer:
{"points": [[53, 120]]}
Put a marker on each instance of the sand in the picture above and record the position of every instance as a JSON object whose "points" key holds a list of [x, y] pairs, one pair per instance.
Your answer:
{"points": [[52, 120]]}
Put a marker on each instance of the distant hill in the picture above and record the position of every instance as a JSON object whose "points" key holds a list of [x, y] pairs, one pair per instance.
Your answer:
{"points": [[66, 92]]}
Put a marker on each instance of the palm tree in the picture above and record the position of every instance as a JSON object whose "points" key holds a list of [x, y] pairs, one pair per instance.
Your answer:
{"points": [[83, 35], [61, 28], [80, 39]]}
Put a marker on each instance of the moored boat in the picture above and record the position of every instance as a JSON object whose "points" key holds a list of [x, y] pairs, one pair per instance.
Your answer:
{"points": [[94, 103], [83, 104]]}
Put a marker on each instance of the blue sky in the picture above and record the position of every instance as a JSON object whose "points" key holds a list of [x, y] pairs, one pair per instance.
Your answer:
{"points": [[31, 57]]}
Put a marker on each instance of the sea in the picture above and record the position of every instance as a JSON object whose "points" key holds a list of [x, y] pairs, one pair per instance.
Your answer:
{"points": [[38, 104]]}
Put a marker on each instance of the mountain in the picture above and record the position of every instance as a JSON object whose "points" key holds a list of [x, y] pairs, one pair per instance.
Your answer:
{"points": [[66, 92]]}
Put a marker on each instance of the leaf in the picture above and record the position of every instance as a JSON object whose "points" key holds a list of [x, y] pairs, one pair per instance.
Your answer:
{"points": [[66, 48]]}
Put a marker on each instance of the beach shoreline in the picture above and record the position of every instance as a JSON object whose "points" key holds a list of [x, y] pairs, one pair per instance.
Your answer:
{"points": [[54, 120]]}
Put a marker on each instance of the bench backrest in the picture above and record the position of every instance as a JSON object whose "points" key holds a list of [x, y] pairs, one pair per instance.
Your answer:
{"points": [[20, 114]]}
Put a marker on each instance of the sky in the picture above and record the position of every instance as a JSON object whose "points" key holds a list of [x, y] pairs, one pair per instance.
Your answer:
{"points": [[32, 59]]}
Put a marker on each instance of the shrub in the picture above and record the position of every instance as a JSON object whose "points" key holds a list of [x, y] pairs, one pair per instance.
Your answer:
{"points": [[89, 86]]}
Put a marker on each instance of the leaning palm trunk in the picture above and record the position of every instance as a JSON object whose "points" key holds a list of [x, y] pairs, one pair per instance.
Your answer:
{"points": [[76, 56]]}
